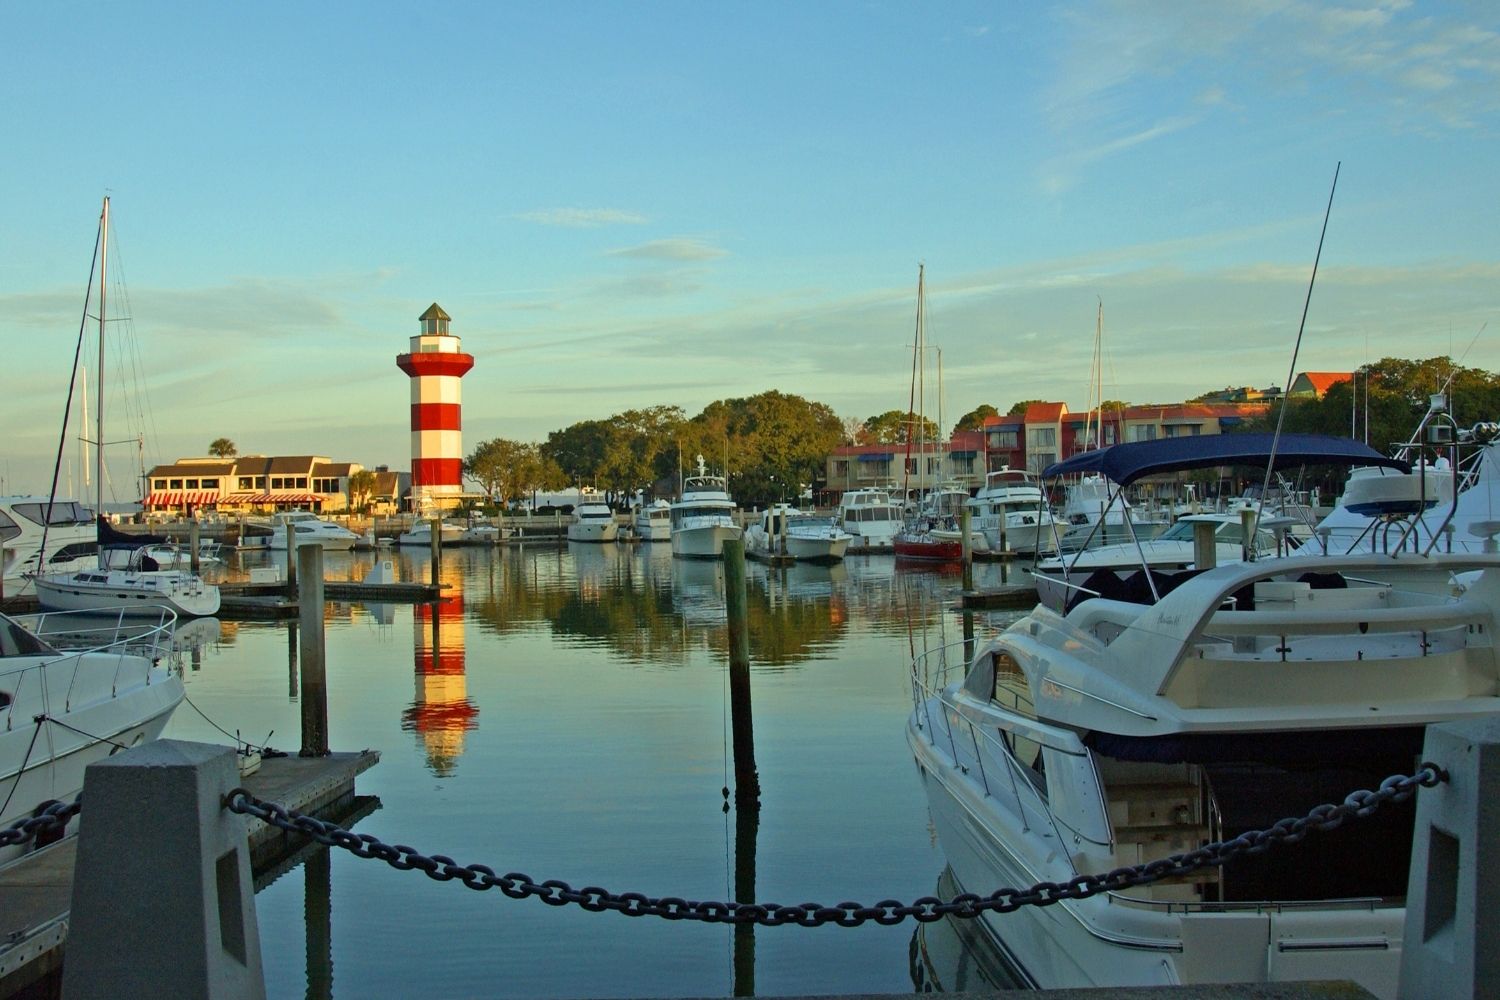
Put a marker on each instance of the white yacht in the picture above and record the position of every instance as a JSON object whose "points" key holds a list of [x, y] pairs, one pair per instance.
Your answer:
{"points": [[420, 533], [71, 540], [704, 517], [786, 532], [65, 710], [1121, 734], [308, 527], [872, 517], [593, 521], [483, 534], [653, 521], [1011, 512]]}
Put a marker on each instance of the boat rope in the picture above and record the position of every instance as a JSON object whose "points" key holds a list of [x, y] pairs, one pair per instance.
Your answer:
{"points": [[24, 761], [555, 892], [80, 732]]}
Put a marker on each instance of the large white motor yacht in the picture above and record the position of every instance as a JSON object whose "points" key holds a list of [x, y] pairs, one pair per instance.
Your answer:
{"points": [[1011, 512], [71, 539], [653, 521], [66, 709], [1122, 733], [308, 528], [785, 531], [703, 519], [872, 517], [593, 521]]}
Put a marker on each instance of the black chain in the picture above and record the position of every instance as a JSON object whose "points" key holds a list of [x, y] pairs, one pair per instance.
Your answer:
{"points": [[49, 818], [553, 892]]}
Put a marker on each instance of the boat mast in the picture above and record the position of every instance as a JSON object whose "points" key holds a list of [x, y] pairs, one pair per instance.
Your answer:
{"points": [[911, 400], [99, 373]]}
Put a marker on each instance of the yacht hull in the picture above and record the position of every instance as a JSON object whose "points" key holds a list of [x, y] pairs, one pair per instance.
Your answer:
{"points": [[703, 541], [128, 593], [817, 549], [593, 531]]}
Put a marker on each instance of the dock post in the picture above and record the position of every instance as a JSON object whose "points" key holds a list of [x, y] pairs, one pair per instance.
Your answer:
{"points": [[1448, 946], [742, 723], [968, 544], [291, 558], [312, 653], [163, 904], [437, 548], [193, 533]]}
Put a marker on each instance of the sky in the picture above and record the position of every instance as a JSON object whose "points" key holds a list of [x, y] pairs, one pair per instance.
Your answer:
{"points": [[629, 205]]}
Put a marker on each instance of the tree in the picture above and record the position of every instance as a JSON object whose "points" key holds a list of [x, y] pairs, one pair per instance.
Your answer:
{"points": [[773, 443], [1017, 409], [362, 486], [975, 418], [894, 426], [222, 448]]}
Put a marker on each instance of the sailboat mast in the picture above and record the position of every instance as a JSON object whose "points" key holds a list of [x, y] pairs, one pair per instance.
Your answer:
{"points": [[99, 373]]}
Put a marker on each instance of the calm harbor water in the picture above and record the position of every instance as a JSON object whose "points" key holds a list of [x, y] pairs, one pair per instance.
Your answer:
{"points": [[565, 714]]}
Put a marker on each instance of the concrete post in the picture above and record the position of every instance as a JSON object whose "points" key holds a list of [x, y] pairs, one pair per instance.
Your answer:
{"points": [[312, 652], [163, 905], [1448, 947]]}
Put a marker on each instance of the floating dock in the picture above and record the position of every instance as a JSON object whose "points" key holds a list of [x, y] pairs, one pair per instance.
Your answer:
{"points": [[36, 890]]}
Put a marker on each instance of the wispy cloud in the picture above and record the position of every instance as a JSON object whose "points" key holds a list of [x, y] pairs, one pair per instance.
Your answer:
{"points": [[583, 218], [676, 248]]}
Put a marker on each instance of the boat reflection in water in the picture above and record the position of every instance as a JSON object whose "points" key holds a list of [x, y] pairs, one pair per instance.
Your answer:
{"points": [[441, 714], [957, 956]]}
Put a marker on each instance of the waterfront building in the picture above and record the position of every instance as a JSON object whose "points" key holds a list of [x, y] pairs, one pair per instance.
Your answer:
{"points": [[923, 466], [247, 483], [1314, 385], [435, 364]]}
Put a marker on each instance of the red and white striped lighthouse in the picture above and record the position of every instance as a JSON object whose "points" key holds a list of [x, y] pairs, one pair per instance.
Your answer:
{"points": [[435, 364]]}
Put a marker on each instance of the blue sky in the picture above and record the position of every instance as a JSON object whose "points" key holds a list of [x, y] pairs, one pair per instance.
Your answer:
{"points": [[624, 205]]}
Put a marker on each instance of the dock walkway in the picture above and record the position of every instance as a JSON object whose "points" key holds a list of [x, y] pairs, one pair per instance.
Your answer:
{"points": [[36, 890]]}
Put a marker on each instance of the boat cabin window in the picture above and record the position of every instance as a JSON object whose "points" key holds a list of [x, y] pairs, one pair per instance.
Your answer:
{"points": [[56, 513], [1013, 693], [8, 527]]}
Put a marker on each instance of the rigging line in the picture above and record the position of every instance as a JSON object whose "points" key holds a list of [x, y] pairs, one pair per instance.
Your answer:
{"points": [[80, 732], [68, 407], [233, 736], [24, 761], [1296, 347]]}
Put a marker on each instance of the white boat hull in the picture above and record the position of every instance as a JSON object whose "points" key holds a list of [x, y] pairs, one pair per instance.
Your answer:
{"points": [[593, 531], [128, 593], [817, 549], [703, 541], [659, 530]]}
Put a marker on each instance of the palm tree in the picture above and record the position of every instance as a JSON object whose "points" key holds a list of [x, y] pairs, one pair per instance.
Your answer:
{"points": [[222, 448]]}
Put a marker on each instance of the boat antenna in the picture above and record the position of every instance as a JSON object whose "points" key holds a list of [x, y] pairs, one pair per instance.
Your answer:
{"points": [[1296, 347], [73, 381]]}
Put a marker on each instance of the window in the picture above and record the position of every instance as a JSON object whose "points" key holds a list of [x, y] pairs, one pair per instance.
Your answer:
{"points": [[301, 483], [911, 466], [1044, 436], [963, 466], [1004, 440], [278, 483], [176, 484], [1013, 693], [841, 469], [191, 484], [260, 482], [1109, 433], [934, 466], [247, 483], [1143, 432], [210, 484], [158, 484]]}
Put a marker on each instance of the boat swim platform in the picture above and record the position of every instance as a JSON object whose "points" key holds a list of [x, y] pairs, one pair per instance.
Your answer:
{"points": [[36, 890]]}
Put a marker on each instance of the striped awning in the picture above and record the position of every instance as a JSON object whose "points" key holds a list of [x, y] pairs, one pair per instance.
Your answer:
{"points": [[178, 498], [273, 498]]}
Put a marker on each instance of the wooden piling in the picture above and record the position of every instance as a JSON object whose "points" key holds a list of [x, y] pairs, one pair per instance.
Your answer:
{"points": [[313, 652], [193, 546], [742, 725], [291, 558], [437, 549], [968, 547]]}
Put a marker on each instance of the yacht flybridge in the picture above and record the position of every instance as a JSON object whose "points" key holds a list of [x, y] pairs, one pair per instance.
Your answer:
{"points": [[1123, 733]]}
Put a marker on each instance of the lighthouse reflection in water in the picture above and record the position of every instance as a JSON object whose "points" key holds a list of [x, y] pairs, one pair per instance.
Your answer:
{"points": [[441, 713]]}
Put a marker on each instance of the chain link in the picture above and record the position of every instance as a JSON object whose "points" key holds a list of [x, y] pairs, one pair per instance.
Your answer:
{"points": [[49, 818], [553, 892]]}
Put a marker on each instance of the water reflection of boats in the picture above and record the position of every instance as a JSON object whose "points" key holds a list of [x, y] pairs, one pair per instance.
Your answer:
{"points": [[957, 956], [698, 591]]}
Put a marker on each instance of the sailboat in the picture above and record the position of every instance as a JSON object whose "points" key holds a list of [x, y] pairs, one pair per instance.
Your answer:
{"points": [[929, 534], [126, 580]]}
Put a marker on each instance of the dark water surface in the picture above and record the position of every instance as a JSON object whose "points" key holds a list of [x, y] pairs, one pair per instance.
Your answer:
{"points": [[566, 716]]}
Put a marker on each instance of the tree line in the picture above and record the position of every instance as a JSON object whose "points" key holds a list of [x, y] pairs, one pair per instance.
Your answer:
{"points": [[773, 445]]}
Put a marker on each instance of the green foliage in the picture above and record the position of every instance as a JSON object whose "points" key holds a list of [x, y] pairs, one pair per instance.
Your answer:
{"points": [[1389, 397], [222, 448], [1017, 409], [894, 426], [509, 470], [975, 418], [361, 488]]}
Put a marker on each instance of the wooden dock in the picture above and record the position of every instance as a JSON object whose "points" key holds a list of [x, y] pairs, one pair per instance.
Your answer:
{"points": [[1010, 596], [36, 890]]}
